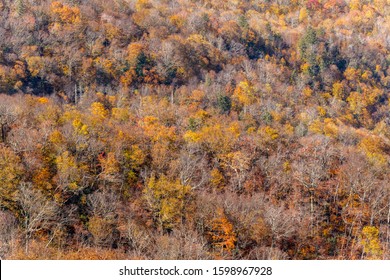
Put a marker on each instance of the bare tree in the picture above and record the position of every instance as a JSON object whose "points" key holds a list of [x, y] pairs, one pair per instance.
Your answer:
{"points": [[7, 118], [8, 233], [191, 167], [313, 167], [139, 238], [38, 212], [103, 221], [281, 222]]}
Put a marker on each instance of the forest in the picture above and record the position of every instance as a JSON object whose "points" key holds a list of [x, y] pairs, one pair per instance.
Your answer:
{"points": [[195, 129]]}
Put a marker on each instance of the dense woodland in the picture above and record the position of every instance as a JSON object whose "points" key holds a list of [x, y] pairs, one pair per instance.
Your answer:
{"points": [[195, 129]]}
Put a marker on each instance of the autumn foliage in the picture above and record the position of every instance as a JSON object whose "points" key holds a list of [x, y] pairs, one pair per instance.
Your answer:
{"points": [[155, 129]]}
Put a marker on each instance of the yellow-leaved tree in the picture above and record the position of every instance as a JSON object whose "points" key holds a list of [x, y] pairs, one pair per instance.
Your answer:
{"points": [[65, 14], [168, 199], [244, 95], [10, 174], [69, 173], [372, 248]]}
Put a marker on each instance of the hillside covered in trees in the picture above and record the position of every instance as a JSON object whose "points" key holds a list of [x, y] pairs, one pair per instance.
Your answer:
{"points": [[195, 129]]}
